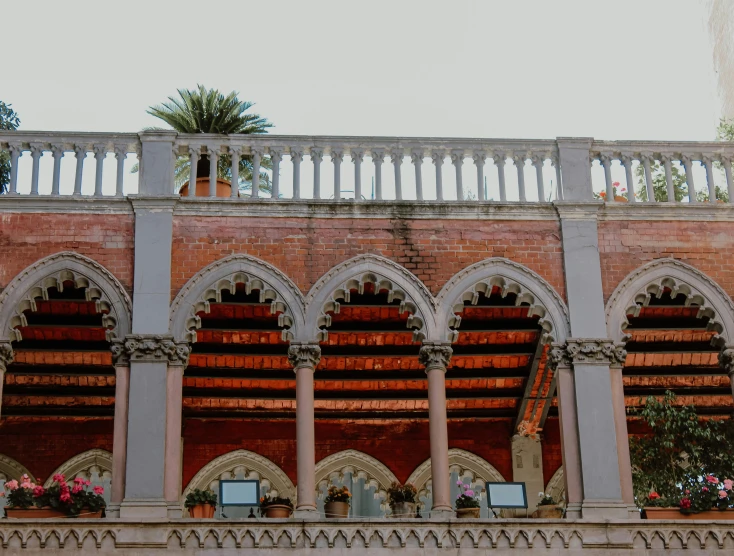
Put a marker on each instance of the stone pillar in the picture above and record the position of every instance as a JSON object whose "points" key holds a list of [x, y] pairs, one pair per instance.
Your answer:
{"points": [[6, 358], [174, 402], [305, 358], [436, 356], [119, 438], [527, 467]]}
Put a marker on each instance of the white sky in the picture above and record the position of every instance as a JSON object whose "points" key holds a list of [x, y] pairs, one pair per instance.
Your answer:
{"points": [[618, 69]]}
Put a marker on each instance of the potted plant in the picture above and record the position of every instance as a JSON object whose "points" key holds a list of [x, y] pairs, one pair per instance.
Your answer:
{"points": [[275, 507], [467, 505], [402, 500], [201, 503], [548, 508], [336, 503], [29, 500], [706, 498]]}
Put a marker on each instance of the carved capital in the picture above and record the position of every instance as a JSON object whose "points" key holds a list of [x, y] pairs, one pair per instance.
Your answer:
{"points": [[357, 155], [479, 158], [587, 351], [6, 355], [81, 151], [296, 155], [16, 149], [397, 156], [538, 160], [317, 154], [435, 355], [378, 156], [726, 359], [57, 151], [235, 150], [304, 355], [36, 149], [120, 152], [457, 158], [100, 151], [150, 348], [337, 155], [437, 157], [499, 158]]}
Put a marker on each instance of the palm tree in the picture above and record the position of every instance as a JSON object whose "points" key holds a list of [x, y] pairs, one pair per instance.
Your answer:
{"points": [[204, 110]]}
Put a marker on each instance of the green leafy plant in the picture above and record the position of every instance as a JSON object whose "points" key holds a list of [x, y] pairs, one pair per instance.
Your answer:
{"points": [[337, 494], [266, 501], [9, 121], [196, 497], [706, 493], [466, 498], [546, 499], [397, 494], [71, 500]]}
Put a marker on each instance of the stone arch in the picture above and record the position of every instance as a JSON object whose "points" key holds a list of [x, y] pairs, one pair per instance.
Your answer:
{"points": [[652, 279], [334, 287], [248, 464], [85, 465], [465, 464], [207, 285], [509, 277], [556, 486], [360, 465], [51, 272], [11, 469]]}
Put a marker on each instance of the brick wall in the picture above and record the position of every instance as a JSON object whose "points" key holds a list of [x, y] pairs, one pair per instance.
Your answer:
{"points": [[552, 455]]}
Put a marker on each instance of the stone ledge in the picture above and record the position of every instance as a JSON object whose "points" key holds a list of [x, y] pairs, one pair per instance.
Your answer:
{"points": [[378, 536]]}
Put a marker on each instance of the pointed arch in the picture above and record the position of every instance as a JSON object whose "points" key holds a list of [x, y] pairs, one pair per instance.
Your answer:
{"points": [[85, 465], [247, 464], [360, 465], [510, 277], [334, 287], [11, 469], [653, 279], [207, 285], [51, 272]]}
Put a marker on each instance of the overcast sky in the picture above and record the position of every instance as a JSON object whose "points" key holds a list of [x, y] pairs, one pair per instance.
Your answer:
{"points": [[621, 69]]}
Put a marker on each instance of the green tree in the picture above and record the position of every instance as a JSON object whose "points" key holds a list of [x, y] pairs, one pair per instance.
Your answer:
{"points": [[9, 121], [203, 110]]}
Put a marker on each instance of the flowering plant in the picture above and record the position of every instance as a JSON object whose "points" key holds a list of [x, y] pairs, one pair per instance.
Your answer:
{"points": [[708, 493], [397, 494], [618, 192], [654, 500], [267, 500], [336, 494], [197, 497], [546, 499], [466, 498], [59, 496]]}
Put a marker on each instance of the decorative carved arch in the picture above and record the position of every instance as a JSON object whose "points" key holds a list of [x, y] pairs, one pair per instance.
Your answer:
{"points": [[225, 274], [334, 287], [83, 465], [360, 465], [651, 280], [509, 277], [251, 466], [465, 464], [556, 486], [11, 469], [33, 283]]}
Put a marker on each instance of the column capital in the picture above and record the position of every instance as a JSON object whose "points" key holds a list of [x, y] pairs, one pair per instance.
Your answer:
{"points": [[587, 351], [726, 359], [6, 355], [304, 355], [153, 348], [435, 355]]}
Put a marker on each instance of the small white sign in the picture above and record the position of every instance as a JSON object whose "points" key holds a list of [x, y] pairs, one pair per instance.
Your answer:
{"points": [[506, 495], [239, 493]]}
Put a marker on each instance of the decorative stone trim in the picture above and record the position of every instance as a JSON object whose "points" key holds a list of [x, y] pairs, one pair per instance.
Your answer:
{"points": [[587, 351], [726, 359], [151, 348], [360, 465], [11, 469], [6, 355], [556, 486], [304, 355], [83, 465], [435, 355]]}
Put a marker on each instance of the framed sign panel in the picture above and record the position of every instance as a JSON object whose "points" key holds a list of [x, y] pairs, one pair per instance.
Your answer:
{"points": [[506, 495], [239, 493]]}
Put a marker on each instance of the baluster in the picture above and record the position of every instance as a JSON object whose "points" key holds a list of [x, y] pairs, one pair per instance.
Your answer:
{"points": [[234, 153], [559, 187], [317, 155], [499, 161], [213, 154], [726, 163], [121, 155], [36, 153], [357, 157], [629, 180], [519, 161], [58, 154], [194, 155], [457, 159], [80, 153], [686, 161], [538, 161], [16, 151], [276, 155], [336, 157], [645, 158], [606, 163], [296, 158], [710, 178], [257, 155], [438, 157], [397, 160], [100, 152], [416, 156], [378, 156], [479, 159]]}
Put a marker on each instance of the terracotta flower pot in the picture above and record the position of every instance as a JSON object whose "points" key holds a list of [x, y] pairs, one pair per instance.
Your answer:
{"points": [[467, 513], [403, 510], [48, 513], [277, 511], [675, 513], [548, 511], [336, 509], [202, 511], [224, 188]]}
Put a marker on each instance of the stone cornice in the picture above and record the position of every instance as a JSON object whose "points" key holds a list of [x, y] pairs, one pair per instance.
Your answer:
{"points": [[587, 351], [578, 210], [435, 355], [64, 204], [152, 348], [304, 355], [153, 203]]}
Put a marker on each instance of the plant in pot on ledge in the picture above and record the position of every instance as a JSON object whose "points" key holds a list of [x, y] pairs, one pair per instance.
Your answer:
{"points": [[402, 500], [548, 508], [201, 503], [275, 507], [336, 503], [467, 505], [26, 500]]}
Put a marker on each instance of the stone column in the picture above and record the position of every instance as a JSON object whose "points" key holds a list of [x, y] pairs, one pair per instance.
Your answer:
{"points": [[119, 438], [436, 356], [527, 467], [305, 358], [174, 402], [6, 358]]}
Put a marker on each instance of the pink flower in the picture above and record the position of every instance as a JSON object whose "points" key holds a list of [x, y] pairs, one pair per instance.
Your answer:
{"points": [[711, 479], [77, 489], [59, 478], [704, 489], [38, 491], [459, 483], [685, 504], [469, 493], [65, 497], [87, 482], [723, 494], [615, 184], [12, 485], [98, 490], [78, 481], [728, 484], [25, 484]]}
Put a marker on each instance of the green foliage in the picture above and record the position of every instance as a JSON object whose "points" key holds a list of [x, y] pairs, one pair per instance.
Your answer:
{"points": [[546, 499], [466, 498], [59, 496], [336, 494], [397, 494], [266, 501], [659, 184], [9, 121], [196, 497], [680, 449]]}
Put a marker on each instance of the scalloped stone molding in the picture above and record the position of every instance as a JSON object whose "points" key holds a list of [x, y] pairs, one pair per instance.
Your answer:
{"points": [[650, 280], [84, 465], [360, 465], [34, 281], [11, 469], [207, 285], [248, 464]]}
